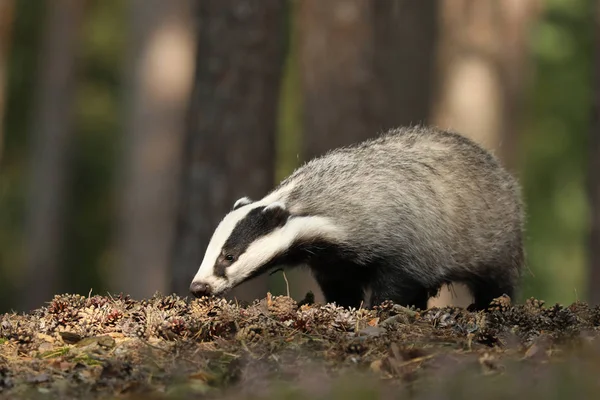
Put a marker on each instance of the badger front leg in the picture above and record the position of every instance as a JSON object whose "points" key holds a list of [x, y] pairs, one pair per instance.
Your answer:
{"points": [[346, 290], [401, 290]]}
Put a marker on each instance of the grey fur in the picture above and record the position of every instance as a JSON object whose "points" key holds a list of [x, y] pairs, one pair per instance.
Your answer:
{"points": [[422, 206]]}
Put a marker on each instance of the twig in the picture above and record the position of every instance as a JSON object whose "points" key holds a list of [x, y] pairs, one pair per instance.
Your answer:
{"points": [[415, 360], [287, 284]]}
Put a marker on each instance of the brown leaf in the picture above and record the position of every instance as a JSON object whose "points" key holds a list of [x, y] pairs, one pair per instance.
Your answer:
{"points": [[490, 364], [45, 338], [202, 376], [376, 365], [70, 337]]}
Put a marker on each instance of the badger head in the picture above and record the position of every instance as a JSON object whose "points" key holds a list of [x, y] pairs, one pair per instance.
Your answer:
{"points": [[251, 239]]}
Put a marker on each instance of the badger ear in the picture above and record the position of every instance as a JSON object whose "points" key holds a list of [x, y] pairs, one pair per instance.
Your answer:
{"points": [[275, 205], [242, 202], [277, 211]]}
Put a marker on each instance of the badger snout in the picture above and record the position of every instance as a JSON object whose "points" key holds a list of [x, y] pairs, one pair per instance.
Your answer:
{"points": [[200, 289]]}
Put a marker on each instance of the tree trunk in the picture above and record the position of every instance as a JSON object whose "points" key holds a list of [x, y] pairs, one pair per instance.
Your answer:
{"points": [[52, 128], [230, 149], [594, 175], [162, 66], [482, 65], [405, 38], [483, 62], [365, 68], [6, 22], [340, 98]]}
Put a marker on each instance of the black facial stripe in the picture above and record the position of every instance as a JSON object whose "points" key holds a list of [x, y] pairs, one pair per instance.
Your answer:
{"points": [[248, 229], [257, 223], [220, 268]]}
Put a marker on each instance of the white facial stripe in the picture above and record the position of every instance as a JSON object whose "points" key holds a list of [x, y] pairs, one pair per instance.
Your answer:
{"points": [[267, 247], [218, 239], [206, 271]]}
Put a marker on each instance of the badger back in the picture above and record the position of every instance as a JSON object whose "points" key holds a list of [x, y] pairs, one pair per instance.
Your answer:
{"points": [[432, 198]]}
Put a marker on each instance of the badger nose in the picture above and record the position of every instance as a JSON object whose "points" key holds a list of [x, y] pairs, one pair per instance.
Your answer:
{"points": [[200, 289]]}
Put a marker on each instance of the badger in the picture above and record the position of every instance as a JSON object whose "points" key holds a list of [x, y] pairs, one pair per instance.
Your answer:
{"points": [[397, 215]]}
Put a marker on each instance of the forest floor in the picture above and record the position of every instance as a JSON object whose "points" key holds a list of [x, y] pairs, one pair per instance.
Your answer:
{"points": [[167, 347]]}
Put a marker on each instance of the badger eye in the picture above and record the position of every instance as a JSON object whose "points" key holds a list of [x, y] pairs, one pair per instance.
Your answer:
{"points": [[229, 257]]}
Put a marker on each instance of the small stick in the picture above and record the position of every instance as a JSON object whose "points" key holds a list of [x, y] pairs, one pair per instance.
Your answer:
{"points": [[287, 284]]}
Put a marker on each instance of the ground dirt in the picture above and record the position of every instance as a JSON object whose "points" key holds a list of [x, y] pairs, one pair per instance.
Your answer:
{"points": [[168, 347]]}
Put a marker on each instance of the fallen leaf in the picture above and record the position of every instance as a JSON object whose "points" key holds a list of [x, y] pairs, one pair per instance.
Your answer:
{"points": [[40, 378], [269, 299], [70, 337], [105, 341], [376, 366], [202, 376], [46, 338], [45, 347], [373, 331]]}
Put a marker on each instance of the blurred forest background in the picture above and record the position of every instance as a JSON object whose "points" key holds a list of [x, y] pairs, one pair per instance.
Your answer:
{"points": [[129, 127]]}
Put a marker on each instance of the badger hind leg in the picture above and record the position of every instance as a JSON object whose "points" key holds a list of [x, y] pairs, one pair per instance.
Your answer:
{"points": [[498, 276], [486, 288]]}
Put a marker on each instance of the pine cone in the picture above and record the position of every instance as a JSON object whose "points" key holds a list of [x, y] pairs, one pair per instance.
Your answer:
{"points": [[533, 305], [384, 306], [96, 301], [113, 317], [502, 304], [344, 321], [282, 307], [251, 333]]}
